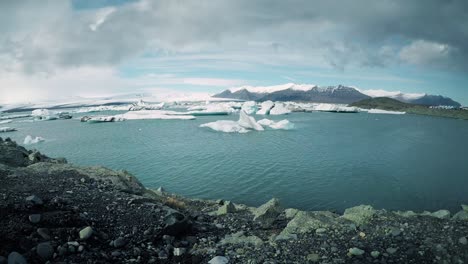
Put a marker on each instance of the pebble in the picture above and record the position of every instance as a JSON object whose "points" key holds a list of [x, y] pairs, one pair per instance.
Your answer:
{"points": [[162, 254], [391, 250], [44, 233], [35, 218], [395, 231], [86, 233], [179, 251], [45, 250], [463, 240], [313, 257], [34, 200], [375, 254], [219, 260], [115, 253], [16, 258], [80, 248], [356, 251], [119, 242]]}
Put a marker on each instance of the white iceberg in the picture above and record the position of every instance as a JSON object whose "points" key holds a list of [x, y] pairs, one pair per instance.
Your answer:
{"points": [[243, 125], [248, 122], [279, 109], [265, 108], [154, 114], [335, 108], [30, 140], [379, 111], [226, 126], [7, 129], [43, 114], [101, 119], [140, 105], [102, 108], [283, 124], [211, 109], [249, 107], [6, 121]]}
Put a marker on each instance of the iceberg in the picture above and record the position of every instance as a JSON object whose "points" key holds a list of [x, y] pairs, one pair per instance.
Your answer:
{"points": [[379, 111], [335, 108], [249, 107], [283, 124], [213, 109], [30, 140], [7, 129], [103, 108], [265, 108], [6, 121], [101, 119], [226, 126], [243, 125], [140, 105], [279, 109], [248, 122], [154, 114], [43, 114]]}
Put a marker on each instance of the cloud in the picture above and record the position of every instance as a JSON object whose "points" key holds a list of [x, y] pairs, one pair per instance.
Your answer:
{"points": [[421, 52]]}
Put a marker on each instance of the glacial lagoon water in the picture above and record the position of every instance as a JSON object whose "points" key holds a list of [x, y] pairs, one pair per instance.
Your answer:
{"points": [[329, 161]]}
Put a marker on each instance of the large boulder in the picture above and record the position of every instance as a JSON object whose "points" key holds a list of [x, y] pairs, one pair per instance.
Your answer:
{"points": [[306, 222], [441, 214], [12, 154], [360, 215], [226, 208], [240, 239], [268, 212]]}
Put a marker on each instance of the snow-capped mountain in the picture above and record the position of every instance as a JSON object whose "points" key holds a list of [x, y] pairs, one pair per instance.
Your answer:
{"points": [[330, 94]]}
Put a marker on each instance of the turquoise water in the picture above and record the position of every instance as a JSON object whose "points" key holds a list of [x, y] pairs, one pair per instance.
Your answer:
{"points": [[330, 161]]}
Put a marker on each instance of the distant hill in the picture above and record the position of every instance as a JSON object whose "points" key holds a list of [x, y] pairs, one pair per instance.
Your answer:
{"points": [[332, 94], [339, 94], [385, 103]]}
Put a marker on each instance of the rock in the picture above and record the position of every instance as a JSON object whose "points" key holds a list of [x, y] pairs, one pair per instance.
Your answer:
{"points": [[313, 257], [441, 214], [86, 233], [240, 239], [290, 213], [160, 190], [3, 260], [462, 215], [355, 251], [179, 251], [320, 230], [463, 240], [464, 207], [286, 237], [406, 213], [116, 253], [35, 218], [226, 208], [305, 222], [391, 250], [16, 258], [33, 199], [360, 215], [176, 224], [268, 212], [45, 250], [119, 242], [375, 254], [394, 231], [219, 260], [44, 233]]}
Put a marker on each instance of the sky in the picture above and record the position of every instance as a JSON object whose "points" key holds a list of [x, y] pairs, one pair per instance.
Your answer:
{"points": [[58, 49]]}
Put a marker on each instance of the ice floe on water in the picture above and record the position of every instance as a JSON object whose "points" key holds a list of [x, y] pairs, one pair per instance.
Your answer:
{"points": [[379, 111], [138, 115], [247, 123], [28, 140], [335, 108], [140, 105], [102, 108], [211, 109], [283, 124], [6, 121], [7, 129], [279, 109]]}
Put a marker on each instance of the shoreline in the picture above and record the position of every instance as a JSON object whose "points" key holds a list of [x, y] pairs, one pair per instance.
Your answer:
{"points": [[55, 211]]}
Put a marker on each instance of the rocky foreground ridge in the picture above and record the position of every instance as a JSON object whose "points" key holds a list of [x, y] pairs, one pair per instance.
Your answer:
{"points": [[54, 212]]}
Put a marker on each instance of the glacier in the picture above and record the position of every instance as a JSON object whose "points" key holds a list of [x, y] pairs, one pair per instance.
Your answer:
{"points": [[28, 140]]}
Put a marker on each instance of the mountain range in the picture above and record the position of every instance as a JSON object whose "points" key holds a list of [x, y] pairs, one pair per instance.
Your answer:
{"points": [[339, 94]]}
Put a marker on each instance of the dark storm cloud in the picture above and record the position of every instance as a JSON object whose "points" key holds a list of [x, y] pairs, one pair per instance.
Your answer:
{"points": [[42, 35]]}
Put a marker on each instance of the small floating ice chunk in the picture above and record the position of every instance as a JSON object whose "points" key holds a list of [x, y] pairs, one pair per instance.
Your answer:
{"points": [[283, 124], [279, 109], [265, 108], [227, 126], [248, 122], [7, 129], [249, 107], [379, 111], [30, 140]]}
